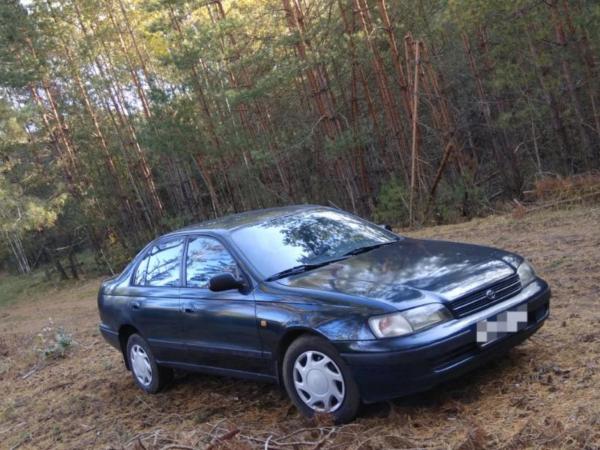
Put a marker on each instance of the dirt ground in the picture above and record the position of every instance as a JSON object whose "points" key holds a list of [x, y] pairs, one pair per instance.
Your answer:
{"points": [[543, 394]]}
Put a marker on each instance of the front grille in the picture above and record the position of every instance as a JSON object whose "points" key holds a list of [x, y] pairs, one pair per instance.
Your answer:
{"points": [[478, 300]]}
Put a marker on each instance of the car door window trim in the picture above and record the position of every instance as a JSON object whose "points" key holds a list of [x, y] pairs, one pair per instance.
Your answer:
{"points": [[234, 256]]}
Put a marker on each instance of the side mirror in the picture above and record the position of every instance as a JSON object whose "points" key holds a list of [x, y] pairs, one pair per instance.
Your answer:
{"points": [[385, 226], [225, 282]]}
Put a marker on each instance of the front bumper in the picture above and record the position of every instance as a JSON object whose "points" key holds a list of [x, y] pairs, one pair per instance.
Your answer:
{"points": [[388, 368]]}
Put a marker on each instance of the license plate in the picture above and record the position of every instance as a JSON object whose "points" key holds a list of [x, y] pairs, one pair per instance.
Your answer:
{"points": [[501, 325]]}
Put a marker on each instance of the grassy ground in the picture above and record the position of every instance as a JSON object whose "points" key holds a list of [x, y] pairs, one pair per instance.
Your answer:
{"points": [[543, 394], [19, 287], [13, 287]]}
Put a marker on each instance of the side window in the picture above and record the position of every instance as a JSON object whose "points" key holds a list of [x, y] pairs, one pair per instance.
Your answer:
{"points": [[163, 263], [206, 257], [139, 278]]}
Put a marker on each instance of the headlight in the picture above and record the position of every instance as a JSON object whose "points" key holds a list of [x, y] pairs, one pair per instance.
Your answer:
{"points": [[409, 321], [526, 273]]}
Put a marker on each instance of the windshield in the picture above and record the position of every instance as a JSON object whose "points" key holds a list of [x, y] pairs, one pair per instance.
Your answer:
{"points": [[306, 238]]}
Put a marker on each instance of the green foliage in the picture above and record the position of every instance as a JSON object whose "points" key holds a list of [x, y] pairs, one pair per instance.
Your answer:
{"points": [[53, 342], [20, 212], [392, 204], [458, 201], [122, 119], [27, 203]]}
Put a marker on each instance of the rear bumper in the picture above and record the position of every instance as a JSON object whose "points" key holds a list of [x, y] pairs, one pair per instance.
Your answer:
{"points": [[388, 368], [111, 336]]}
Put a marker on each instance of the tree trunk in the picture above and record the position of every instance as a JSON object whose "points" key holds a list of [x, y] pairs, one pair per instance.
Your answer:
{"points": [[415, 131]]}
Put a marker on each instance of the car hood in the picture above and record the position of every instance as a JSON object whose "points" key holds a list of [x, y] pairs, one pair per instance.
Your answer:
{"points": [[411, 270]]}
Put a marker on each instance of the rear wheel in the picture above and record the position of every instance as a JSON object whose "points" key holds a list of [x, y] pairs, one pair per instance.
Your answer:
{"points": [[148, 375], [318, 380]]}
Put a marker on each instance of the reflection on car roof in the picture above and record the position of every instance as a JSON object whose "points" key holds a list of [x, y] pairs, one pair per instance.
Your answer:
{"points": [[244, 219]]}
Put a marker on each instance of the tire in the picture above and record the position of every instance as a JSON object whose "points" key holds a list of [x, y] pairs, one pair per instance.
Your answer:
{"points": [[330, 388], [149, 376]]}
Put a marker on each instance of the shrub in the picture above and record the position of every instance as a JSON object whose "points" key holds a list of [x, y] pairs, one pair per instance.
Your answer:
{"points": [[54, 342], [392, 204], [458, 200]]}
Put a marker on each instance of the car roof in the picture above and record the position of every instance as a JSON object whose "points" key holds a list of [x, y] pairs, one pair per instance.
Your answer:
{"points": [[231, 222]]}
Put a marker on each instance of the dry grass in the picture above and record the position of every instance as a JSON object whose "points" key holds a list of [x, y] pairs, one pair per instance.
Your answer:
{"points": [[543, 394], [575, 189]]}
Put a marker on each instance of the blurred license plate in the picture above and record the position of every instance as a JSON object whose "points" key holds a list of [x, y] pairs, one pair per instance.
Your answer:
{"points": [[501, 325]]}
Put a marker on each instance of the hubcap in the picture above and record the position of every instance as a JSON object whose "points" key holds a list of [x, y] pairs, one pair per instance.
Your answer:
{"points": [[140, 364], [318, 381]]}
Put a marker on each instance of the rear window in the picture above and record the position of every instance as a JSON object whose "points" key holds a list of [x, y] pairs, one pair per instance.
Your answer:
{"points": [[162, 265]]}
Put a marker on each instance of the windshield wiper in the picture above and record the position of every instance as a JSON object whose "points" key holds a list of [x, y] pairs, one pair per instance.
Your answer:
{"points": [[301, 269], [306, 267], [368, 248]]}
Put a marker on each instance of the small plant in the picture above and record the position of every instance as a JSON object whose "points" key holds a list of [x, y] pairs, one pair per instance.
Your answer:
{"points": [[54, 342], [4, 365]]}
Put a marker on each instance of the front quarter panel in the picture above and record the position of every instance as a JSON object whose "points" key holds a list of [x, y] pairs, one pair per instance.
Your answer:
{"points": [[280, 314]]}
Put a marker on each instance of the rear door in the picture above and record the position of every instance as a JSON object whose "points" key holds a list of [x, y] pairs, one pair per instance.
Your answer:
{"points": [[220, 328], [155, 304]]}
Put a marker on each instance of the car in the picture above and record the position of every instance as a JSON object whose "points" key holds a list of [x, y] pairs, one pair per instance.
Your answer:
{"points": [[338, 310]]}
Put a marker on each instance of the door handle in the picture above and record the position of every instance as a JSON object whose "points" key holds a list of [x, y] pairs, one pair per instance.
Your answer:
{"points": [[190, 309], [136, 305]]}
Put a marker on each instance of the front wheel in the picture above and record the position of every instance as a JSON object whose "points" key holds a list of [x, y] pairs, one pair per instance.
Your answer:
{"points": [[148, 375], [318, 380]]}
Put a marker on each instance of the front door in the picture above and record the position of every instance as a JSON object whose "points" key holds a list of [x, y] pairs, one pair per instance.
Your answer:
{"points": [[219, 327]]}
